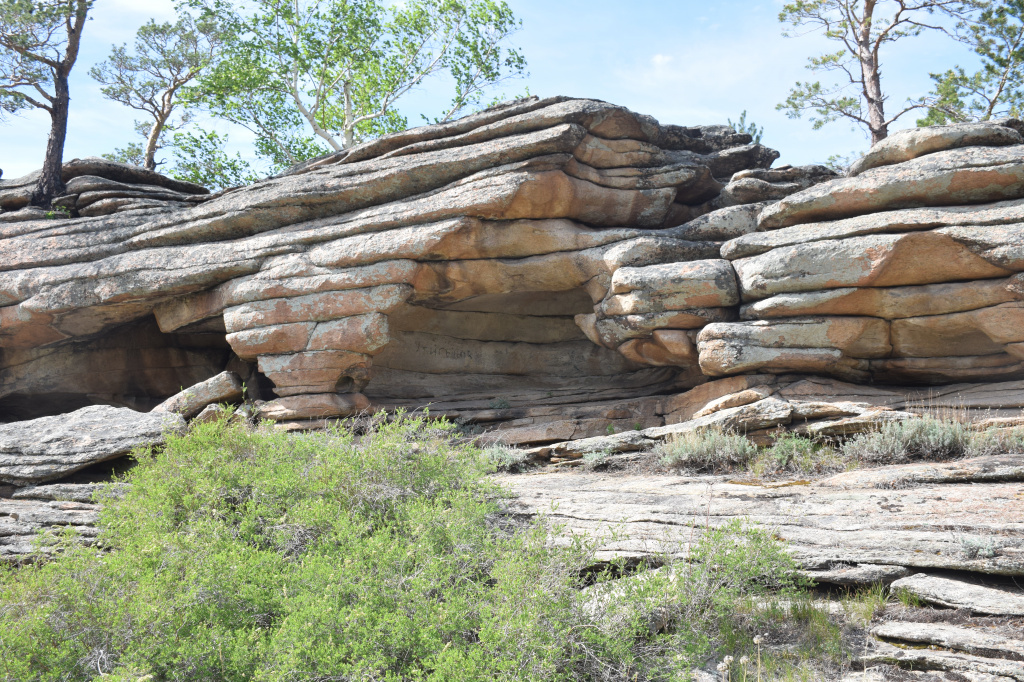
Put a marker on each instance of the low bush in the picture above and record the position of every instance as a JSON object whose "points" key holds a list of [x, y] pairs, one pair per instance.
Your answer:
{"points": [[242, 554], [909, 440], [997, 441], [707, 450], [793, 453], [504, 458]]}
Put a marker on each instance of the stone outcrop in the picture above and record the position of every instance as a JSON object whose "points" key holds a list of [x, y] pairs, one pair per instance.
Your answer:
{"points": [[557, 268], [97, 187], [44, 449], [537, 247], [903, 272]]}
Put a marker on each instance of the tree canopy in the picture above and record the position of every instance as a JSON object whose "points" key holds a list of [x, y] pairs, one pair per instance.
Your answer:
{"points": [[997, 37], [166, 57], [313, 76], [39, 42]]}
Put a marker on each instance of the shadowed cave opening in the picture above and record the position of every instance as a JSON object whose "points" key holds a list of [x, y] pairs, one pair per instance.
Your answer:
{"points": [[504, 350], [133, 365]]}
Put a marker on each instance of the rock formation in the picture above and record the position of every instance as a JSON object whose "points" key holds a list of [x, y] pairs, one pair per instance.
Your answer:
{"points": [[472, 261], [555, 268]]}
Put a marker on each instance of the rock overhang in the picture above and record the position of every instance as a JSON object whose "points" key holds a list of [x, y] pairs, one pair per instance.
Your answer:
{"points": [[544, 252]]}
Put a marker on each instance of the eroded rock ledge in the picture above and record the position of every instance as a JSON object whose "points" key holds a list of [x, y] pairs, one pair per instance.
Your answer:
{"points": [[566, 262]]}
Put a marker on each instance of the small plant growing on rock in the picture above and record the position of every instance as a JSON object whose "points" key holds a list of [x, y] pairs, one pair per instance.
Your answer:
{"points": [[707, 450], [911, 440], [975, 547], [505, 458], [595, 459], [499, 404], [795, 453]]}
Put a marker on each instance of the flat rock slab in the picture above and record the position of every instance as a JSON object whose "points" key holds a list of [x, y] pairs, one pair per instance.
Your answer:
{"points": [[67, 492], [956, 594], [40, 450], [825, 528], [975, 641], [862, 574], [22, 520], [225, 387], [964, 664], [974, 470]]}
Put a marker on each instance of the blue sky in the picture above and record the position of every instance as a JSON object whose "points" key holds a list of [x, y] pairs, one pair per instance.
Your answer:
{"points": [[682, 61]]}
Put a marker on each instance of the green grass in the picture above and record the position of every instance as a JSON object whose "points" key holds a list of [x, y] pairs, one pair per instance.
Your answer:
{"points": [[926, 439], [241, 554]]}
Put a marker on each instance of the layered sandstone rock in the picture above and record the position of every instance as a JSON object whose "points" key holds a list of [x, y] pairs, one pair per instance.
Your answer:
{"points": [[555, 268], [904, 272], [531, 249]]}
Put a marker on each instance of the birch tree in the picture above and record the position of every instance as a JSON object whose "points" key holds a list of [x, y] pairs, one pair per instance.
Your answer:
{"points": [[314, 76]]}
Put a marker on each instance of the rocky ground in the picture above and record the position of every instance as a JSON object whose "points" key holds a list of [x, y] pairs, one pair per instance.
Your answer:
{"points": [[581, 282], [950, 534]]}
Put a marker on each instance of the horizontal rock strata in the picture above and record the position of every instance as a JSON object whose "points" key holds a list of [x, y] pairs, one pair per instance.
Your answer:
{"points": [[826, 529], [540, 254], [48, 448]]}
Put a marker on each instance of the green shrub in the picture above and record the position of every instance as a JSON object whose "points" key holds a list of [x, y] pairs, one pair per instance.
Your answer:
{"points": [[997, 442], [926, 438], [707, 450], [504, 458], [241, 554], [793, 453]]}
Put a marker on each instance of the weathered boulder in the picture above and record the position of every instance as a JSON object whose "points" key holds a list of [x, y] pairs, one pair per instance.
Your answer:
{"points": [[904, 145], [957, 594], [771, 184], [721, 224], [969, 640], [306, 406], [860, 574], [94, 180], [44, 449], [971, 175], [225, 387]]}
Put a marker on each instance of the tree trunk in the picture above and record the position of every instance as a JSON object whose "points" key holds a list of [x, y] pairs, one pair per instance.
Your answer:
{"points": [[876, 103], [868, 56], [152, 141], [349, 136], [51, 182]]}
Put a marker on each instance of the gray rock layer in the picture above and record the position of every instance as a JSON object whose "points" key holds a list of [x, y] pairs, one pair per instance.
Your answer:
{"points": [[47, 448]]}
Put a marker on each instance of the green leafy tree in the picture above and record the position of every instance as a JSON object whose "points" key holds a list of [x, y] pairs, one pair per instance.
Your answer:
{"points": [[861, 28], [200, 157], [39, 41], [314, 76], [996, 89], [751, 128], [166, 57]]}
